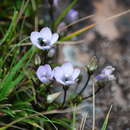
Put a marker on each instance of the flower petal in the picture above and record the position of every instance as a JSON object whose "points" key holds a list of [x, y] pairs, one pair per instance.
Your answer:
{"points": [[111, 77], [44, 73], [34, 38], [58, 73], [67, 69], [48, 71], [41, 73], [108, 70], [100, 77], [54, 38], [60, 81], [44, 47], [75, 73], [44, 80], [46, 34], [69, 82]]}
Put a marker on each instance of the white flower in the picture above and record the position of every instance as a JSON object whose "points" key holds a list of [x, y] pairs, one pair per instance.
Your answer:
{"points": [[44, 39], [66, 74], [44, 73]]}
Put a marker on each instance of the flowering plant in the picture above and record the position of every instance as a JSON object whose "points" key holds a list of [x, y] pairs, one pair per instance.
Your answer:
{"points": [[37, 90]]}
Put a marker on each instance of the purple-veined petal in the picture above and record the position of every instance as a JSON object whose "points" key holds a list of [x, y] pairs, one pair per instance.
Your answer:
{"points": [[34, 37], [67, 69], [48, 71], [75, 73], [58, 73], [45, 47], [111, 77], [108, 70], [54, 38], [46, 34], [44, 73], [60, 81], [41, 71], [44, 79], [100, 77], [70, 82]]}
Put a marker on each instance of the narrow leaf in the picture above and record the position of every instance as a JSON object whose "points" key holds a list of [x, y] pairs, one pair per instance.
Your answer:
{"points": [[11, 28], [106, 120], [64, 13]]}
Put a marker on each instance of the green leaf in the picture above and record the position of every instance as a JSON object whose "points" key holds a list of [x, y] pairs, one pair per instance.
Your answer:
{"points": [[11, 28], [33, 123], [63, 122], [64, 13], [106, 120], [8, 89], [8, 111], [12, 78], [76, 33]]}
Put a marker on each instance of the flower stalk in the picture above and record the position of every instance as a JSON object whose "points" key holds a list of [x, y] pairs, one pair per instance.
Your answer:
{"points": [[86, 84], [65, 88], [97, 91]]}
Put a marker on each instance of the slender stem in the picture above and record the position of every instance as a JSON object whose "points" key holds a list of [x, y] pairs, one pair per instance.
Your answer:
{"points": [[65, 93], [84, 85], [92, 94], [93, 126], [51, 10], [45, 56]]}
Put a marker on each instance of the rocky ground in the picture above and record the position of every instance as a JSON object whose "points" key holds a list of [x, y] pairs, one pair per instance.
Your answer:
{"points": [[110, 43]]}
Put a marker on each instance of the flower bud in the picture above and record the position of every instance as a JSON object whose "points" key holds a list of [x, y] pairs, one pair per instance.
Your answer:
{"points": [[52, 97], [37, 60], [92, 65]]}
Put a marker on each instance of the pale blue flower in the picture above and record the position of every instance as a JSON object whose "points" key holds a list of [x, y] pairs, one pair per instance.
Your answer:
{"points": [[44, 39], [106, 73], [66, 74], [72, 15], [45, 73]]}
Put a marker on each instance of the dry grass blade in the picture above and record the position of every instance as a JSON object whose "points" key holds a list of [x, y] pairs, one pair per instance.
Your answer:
{"points": [[69, 110], [83, 121], [77, 21], [116, 16], [73, 34], [93, 126], [22, 9], [81, 124]]}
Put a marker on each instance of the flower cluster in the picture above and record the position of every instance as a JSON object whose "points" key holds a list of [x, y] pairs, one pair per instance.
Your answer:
{"points": [[65, 74]]}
